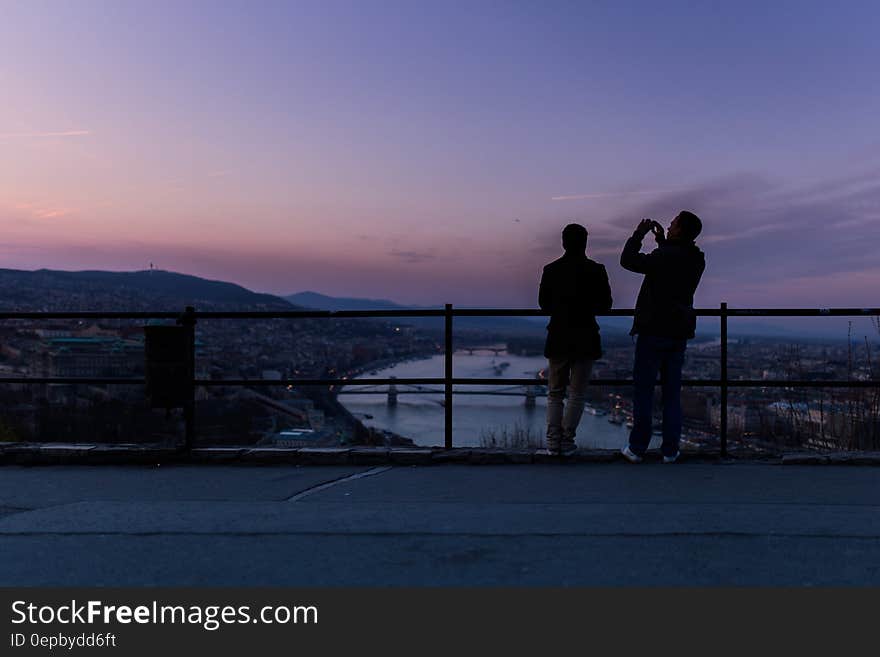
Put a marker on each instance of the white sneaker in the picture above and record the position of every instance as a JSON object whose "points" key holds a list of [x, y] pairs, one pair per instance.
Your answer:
{"points": [[630, 455], [671, 459]]}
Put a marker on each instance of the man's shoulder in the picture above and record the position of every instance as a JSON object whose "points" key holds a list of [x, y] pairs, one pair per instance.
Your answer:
{"points": [[678, 250], [555, 264], [598, 266], [571, 265], [681, 247]]}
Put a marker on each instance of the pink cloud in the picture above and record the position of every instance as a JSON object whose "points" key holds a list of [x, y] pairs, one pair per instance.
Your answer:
{"points": [[43, 135]]}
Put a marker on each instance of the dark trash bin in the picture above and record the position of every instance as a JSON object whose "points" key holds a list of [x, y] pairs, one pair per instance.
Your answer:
{"points": [[168, 367]]}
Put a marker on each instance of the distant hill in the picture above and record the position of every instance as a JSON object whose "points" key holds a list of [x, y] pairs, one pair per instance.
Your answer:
{"points": [[502, 326], [782, 329], [47, 289], [318, 301]]}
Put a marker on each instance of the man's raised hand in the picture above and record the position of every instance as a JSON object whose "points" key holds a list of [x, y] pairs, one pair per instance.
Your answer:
{"points": [[659, 233], [644, 227]]}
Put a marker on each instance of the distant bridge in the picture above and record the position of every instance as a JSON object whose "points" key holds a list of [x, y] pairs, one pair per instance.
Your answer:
{"points": [[494, 348], [530, 392]]}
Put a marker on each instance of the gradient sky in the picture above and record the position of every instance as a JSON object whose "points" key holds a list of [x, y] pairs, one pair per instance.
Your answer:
{"points": [[432, 152]]}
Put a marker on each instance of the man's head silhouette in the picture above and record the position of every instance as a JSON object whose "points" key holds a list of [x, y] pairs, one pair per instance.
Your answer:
{"points": [[685, 227], [574, 238]]}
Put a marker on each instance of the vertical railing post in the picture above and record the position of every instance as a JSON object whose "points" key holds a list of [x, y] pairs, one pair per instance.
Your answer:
{"points": [[723, 427], [189, 410], [447, 385]]}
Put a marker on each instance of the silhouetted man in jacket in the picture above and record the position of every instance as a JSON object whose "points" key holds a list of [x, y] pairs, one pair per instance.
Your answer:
{"points": [[664, 321], [573, 289]]}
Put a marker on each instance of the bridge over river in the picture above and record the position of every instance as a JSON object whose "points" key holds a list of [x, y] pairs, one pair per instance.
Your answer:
{"points": [[529, 393]]}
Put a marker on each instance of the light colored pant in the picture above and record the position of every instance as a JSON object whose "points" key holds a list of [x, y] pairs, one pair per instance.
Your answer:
{"points": [[566, 375]]}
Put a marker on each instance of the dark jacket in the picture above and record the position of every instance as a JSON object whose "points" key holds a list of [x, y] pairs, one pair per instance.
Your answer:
{"points": [[665, 306], [573, 289]]}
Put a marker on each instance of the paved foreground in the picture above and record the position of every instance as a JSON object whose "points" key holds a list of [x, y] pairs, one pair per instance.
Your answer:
{"points": [[595, 524]]}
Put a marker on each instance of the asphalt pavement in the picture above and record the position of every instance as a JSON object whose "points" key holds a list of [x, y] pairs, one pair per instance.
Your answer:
{"points": [[597, 524]]}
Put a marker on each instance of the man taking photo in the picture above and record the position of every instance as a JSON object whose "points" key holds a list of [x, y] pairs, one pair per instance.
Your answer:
{"points": [[664, 321]]}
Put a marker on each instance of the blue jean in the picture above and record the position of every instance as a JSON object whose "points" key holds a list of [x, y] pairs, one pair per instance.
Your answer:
{"points": [[664, 355]]}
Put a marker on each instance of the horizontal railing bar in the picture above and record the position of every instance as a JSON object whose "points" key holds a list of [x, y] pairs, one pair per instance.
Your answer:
{"points": [[71, 380], [800, 312], [705, 383], [432, 391], [268, 314], [421, 312], [305, 314], [694, 383], [87, 314], [740, 383], [317, 382], [798, 383], [701, 312], [698, 383], [533, 312]]}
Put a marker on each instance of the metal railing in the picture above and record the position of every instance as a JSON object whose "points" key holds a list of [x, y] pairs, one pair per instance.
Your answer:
{"points": [[190, 317]]}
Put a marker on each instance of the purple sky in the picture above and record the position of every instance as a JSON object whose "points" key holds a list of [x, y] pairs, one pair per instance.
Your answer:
{"points": [[431, 153]]}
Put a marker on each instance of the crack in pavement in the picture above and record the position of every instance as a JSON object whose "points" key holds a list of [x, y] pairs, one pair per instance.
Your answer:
{"points": [[341, 480]]}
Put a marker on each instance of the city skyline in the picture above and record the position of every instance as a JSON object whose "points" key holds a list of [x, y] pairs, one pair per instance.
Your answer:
{"points": [[428, 154]]}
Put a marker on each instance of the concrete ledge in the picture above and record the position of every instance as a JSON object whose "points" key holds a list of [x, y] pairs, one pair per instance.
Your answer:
{"points": [[410, 456], [61, 453], [270, 456], [216, 454], [370, 455], [804, 459], [854, 458], [488, 457], [517, 456], [598, 455], [324, 455], [132, 454], [22, 454], [456, 455], [832, 458], [125, 455]]}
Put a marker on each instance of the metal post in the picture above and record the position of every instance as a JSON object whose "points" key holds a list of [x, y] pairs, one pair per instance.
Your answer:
{"points": [[448, 376], [723, 427], [189, 410]]}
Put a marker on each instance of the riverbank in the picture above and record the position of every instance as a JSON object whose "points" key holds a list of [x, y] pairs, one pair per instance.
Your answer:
{"points": [[363, 434], [384, 363]]}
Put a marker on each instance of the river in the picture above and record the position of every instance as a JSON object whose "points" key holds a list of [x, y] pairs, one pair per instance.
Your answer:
{"points": [[419, 416]]}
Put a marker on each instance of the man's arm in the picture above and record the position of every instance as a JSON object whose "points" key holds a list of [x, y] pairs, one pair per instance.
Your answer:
{"points": [[544, 295], [602, 300], [631, 259]]}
